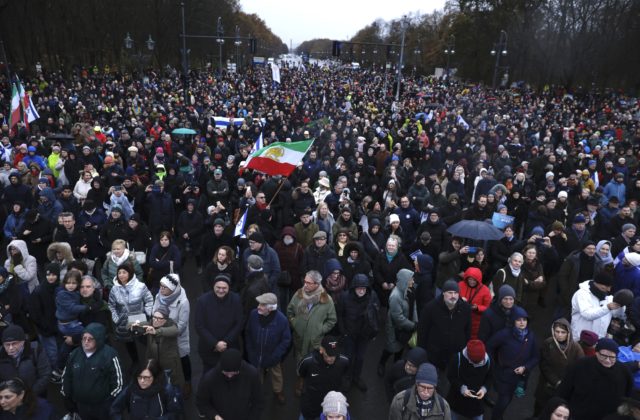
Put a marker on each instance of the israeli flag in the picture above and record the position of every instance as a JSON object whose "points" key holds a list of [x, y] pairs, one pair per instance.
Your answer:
{"points": [[239, 231], [461, 122]]}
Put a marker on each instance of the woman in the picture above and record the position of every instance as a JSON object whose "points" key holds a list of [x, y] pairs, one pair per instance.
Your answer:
{"points": [[324, 219], [556, 409], [173, 296], [341, 240], [373, 240], [476, 294], [386, 267], [290, 253], [511, 275], [15, 220], [97, 193], [129, 301], [82, 187], [119, 255], [402, 319], [334, 280], [354, 261], [60, 253], [452, 212], [22, 266], [604, 259], [149, 396], [436, 200], [515, 354], [165, 258], [556, 353], [19, 403], [10, 299], [225, 262], [138, 236], [162, 343], [534, 284]]}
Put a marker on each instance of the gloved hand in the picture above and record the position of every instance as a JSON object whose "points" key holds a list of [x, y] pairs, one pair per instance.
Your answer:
{"points": [[16, 259]]}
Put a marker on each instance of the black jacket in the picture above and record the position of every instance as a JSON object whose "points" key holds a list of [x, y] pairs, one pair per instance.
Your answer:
{"points": [[319, 379], [32, 367], [493, 320], [42, 309], [442, 332]]}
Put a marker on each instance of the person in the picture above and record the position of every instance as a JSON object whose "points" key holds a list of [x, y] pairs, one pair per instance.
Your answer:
{"points": [[402, 318], [267, 341], [21, 359], [323, 370], [335, 407], [92, 377], [387, 265], [231, 390], [19, 402], [256, 284], [42, 310], [165, 258], [357, 310], [149, 395], [312, 314], [21, 265], [174, 297], [476, 294], [516, 355], [556, 353], [318, 253], [578, 267], [498, 315], [421, 401], [270, 262], [129, 300], [629, 409], [68, 306], [592, 306], [223, 262], [290, 254], [469, 373], [444, 326], [218, 321], [402, 374], [119, 254], [11, 301], [555, 409], [512, 275], [595, 386]]}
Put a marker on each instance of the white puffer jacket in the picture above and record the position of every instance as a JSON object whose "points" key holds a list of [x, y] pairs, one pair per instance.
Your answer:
{"points": [[590, 313]]}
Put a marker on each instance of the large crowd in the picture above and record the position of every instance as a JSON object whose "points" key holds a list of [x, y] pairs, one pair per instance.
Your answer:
{"points": [[103, 206]]}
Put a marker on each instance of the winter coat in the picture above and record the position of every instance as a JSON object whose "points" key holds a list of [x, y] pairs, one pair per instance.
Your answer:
{"points": [[217, 320], [315, 258], [505, 276], [193, 225], [352, 267], [397, 379], [40, 229], [270, 263], [590, 313], [409, 221], [65, 251], [443, 332], [494, 319], [290, 257], [12, 296], [399, 319], [131, 299], [627, 277], [567, 279], [42, 309], [358, 316], [32, 367], [508, 352], [161, 211], [463, 373], [448, 267], [592, 390], [479, 296], [113, 229], [163, 346], [267, 345], [400, 411], [159, 402], [179, 310], [309, 326], [110, 268], [237, 399], [95, 379], [160, 260], [385, 271], [68, 306], [256, 285], [305, 233], [27, 270], [50, 209], [319, 378]]}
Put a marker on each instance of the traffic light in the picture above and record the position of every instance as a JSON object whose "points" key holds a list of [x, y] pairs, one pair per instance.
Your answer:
{"points": [[253, 45], [337, 46]]}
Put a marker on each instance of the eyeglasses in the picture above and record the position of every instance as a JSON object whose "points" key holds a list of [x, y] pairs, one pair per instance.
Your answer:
{"points": [[145, 378], [158, 318], [310, 283], [607, 357]]}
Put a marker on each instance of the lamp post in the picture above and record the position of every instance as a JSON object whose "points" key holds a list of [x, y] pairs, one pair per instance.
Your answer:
{"points": [[499, 48], [237, 43], [449, 50], [220, 41], [139, 55], [416, 53], [404, 25]]}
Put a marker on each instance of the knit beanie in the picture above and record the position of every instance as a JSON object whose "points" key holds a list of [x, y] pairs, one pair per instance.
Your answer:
{"points": [[335, 403], [506, 291], [623, 297], [256, 237], [231, 360], [170, 281], [607, 344], [427, 374], [254, 262], [450, 286], [476, 351], [628, 226], [52, 268], [603, 278]]}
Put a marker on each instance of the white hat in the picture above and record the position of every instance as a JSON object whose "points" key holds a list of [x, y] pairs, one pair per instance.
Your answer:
{"points": [[563, 194], [394, 218], [633, 258], [549, 174]]}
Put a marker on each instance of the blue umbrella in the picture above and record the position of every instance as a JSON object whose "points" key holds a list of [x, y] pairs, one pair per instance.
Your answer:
{"points": [[476, 230], [184, 131]]}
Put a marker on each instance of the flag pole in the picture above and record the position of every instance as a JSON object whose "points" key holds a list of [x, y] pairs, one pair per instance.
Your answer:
{"points": [[277, 191]]}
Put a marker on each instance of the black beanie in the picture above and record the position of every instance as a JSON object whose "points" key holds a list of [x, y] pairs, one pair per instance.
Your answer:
{"points": [[230, 360]]}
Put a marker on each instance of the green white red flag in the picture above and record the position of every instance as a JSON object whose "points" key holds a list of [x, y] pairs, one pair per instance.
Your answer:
{"points": [[278, 158]]}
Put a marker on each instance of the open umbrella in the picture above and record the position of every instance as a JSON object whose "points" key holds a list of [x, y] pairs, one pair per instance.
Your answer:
{"points": [[476, 229], [183, 131]]}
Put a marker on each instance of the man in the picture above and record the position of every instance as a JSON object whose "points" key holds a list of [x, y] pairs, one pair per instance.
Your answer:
{"points": [[231, 390], [592, 306], [479, 211], [218, 189], [421, 401], [324, 370], [595, 386], [29, 363], [92, 377], [270, 262], [579, 266], [318, 253], [213, 239], [444, 327], [311, 314], [218, 320], [306, 228], [623, 240], [616, 188], [402, 374], [267, 339], [72, 235], [498, 315]]}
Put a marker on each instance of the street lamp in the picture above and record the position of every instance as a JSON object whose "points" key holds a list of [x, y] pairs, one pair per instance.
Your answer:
{"points": [[220, 41], [499, 49], [404, 24], [449, 50], [139, 55], [416, 53], [237, 43]]}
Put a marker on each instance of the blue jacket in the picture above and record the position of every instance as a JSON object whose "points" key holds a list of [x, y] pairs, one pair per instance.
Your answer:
{"points": [[509, 352], [270, 263], [50, 209], [266, 346], [68, 306], [627, 278], [615, 189], [13, 224]]}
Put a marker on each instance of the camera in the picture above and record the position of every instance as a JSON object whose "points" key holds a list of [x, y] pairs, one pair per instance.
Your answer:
{"points": [[138, 329]]}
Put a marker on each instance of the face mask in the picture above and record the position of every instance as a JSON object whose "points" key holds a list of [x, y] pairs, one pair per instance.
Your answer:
{"points": [[287, 240]]}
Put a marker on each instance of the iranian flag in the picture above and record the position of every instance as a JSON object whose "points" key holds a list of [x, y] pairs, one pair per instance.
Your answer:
{"points": [[278, 158], [16, 105]]}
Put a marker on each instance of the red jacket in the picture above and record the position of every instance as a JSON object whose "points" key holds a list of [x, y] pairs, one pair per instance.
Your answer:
{"points": [[479, 296]]}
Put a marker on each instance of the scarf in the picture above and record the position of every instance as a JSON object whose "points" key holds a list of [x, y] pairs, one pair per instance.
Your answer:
{"points": [[423, 407], [597, 292], [221, 266], [515, 272], [390, 256], [519, 334], [168, 300], [124, 257], [5, 284], [335, 282], [308, 301]]}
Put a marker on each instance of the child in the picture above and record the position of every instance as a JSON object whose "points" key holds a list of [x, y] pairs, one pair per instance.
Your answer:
{"points": [[68, 306]]}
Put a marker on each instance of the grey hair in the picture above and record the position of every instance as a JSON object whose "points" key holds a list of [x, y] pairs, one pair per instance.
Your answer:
{"points": [[395, 238], [315, 276], [516, 254], [96, 283]]}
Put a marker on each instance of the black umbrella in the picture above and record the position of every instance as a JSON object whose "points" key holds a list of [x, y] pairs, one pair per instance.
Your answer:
{"points": [[477, 230]]}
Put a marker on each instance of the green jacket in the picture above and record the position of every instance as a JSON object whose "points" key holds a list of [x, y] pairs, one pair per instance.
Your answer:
{"points": [[310, 326], [95, 379], [401, 411], [163, 346]]}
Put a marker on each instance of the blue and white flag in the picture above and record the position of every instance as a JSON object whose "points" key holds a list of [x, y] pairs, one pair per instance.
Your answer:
{"points": [[224, 122], [460, 121], [239, 230], [275, 73]]}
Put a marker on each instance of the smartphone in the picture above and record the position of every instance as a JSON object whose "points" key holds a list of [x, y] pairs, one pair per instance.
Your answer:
{"points": [[473, 250]]}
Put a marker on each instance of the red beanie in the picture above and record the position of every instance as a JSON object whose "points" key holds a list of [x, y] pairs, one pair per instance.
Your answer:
{"points": [[476, 351]]}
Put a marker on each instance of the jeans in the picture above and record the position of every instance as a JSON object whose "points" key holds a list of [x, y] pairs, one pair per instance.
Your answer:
{"points": [[50, 346], [71, 328]]}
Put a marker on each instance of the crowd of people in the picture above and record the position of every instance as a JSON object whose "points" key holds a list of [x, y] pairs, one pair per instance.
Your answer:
{"points": [[104, 205]]}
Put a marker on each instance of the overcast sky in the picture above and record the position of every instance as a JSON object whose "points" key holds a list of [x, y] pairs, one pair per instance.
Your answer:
{"points": [[298, 21]]}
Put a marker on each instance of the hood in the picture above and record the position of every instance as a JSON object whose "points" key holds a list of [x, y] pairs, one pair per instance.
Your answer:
{"points": [[289, 230], [565, 323], [48, 194], [425, 263], [62, 247], [474, 273], [22, 247], [360, 280], [99, 332], [518, 312], [416, 356], [354, 246], [403, 278], [331, 265], [584, 285]]}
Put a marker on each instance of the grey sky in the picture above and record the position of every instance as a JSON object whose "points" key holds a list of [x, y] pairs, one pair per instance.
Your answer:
{"points": [[334, 19]]}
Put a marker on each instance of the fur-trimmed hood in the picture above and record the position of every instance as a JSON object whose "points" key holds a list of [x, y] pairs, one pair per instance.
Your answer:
{"points": [[63, 247]]}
